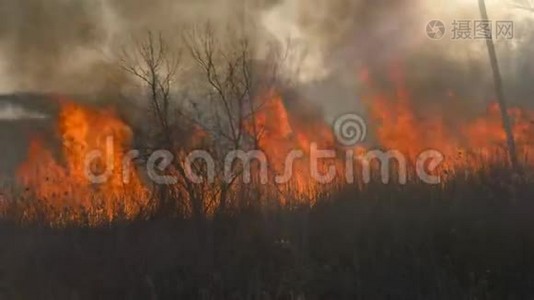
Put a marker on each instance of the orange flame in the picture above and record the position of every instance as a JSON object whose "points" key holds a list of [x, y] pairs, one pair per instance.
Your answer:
{"points": [[280, 132], [62, 184], [58, 182], [472, 144]]}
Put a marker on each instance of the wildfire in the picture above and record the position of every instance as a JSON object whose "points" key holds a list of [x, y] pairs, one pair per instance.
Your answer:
{"points": [[61, 183], [58, 189], [472, 144], [280, 132]]}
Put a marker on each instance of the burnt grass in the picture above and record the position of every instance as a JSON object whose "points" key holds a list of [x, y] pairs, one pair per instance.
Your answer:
{"points": [[472, 239]]}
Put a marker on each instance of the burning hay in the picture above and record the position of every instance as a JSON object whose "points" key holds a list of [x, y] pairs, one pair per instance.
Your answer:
{"points": [[96, 178]]}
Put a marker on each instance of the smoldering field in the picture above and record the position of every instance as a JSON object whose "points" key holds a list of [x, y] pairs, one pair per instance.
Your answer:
{"points": [[272, 76]]}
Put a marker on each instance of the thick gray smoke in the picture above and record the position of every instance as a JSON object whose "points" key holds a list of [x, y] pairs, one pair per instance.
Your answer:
{"points": [[47, 45], [69, 46], [343, 37]]}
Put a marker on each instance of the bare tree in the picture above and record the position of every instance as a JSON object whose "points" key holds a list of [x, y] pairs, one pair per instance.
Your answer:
{"points": [[235, 81], [156, 64]]}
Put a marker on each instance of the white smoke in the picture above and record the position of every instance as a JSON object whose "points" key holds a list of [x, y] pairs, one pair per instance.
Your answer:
{"points": [[305, 58], [12, 112]]}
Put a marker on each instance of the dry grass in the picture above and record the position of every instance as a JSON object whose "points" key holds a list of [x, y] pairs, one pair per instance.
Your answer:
{"points": [[470, 239]]}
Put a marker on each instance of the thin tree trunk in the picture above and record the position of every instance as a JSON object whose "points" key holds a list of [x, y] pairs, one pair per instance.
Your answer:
{"points": [[507, 124]]}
